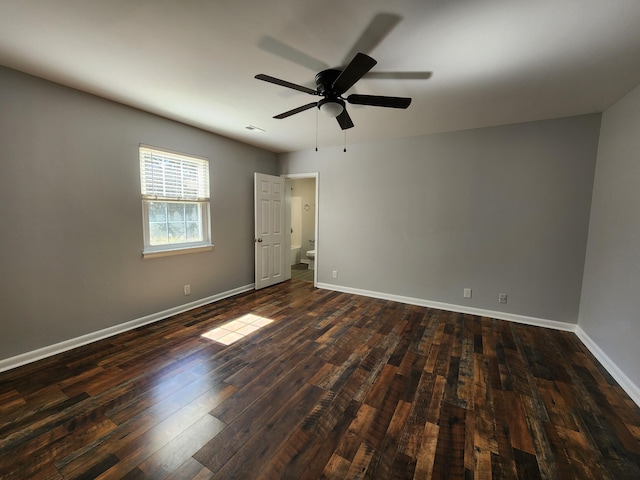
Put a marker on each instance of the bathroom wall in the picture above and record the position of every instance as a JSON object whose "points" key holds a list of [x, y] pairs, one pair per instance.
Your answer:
{"points": [[305, 188], [296, 221]]}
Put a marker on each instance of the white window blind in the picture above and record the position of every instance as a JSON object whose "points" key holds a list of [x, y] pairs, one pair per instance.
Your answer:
{"points": [[170, 176]]}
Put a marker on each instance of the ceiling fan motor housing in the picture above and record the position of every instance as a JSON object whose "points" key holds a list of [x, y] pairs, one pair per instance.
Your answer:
{"points": [[324, 82]]}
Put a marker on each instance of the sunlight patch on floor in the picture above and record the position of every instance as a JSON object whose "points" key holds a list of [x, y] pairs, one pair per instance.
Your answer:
{"points": [[236, 329]]}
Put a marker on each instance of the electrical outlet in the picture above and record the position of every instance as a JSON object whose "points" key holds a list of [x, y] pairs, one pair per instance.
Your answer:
{"points": [[502, 298], [467, 293], [187, 289], [334, 274]]}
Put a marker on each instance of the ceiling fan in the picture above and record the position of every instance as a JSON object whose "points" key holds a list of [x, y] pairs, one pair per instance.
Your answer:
{"points": [[332, 84]]}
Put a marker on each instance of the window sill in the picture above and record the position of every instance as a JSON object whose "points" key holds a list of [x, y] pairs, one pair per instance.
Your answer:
{"points": [[176, 251]]}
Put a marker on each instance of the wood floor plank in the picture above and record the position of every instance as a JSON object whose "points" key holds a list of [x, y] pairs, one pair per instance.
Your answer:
{"points": [[337, 386], [251, 458], [484, 425], [526, 465], [60, 442], [427, 453], [261, 385], [175, 453], [322, 443], [145, 434], [562, 465], [337, 467], [541, 445], [191, 469], [389, 445], [449, 460], [216, 453], [519, 432], [352, 440], [381, 386], [482, 466], [503, 463], [292, 447]]}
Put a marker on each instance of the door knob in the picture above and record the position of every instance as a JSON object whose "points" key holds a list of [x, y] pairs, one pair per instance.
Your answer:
{"points": [[259, 240]]}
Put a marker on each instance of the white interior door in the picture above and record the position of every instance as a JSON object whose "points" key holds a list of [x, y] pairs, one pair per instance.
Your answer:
{"points": [[269, 230]]}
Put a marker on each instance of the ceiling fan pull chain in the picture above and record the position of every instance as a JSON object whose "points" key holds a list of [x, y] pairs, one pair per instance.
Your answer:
{"points": [[345, 141], [317, 110]]}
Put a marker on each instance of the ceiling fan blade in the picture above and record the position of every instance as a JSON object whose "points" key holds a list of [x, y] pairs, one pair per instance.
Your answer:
{"points": [[398, 75], [379, 101], [296, 110], [344, 120], [284, 83], [376, 31], [294, 55], [353, 72]]}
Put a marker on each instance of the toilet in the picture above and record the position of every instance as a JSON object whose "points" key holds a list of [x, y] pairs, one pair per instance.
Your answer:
{"points": [[311, 255]]}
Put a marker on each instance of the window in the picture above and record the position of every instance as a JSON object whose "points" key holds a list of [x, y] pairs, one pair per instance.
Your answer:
{"points": [[175, 202]]}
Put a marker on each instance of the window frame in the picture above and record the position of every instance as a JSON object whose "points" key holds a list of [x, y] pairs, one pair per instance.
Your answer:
{"points": [[204, 204]]}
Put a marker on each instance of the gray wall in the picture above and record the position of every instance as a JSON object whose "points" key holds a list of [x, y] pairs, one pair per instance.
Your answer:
{"points": [[71, 220], [503, 209], [610, 306]]}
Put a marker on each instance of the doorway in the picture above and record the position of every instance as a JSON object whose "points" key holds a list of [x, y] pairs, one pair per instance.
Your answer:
{"points": [[302, 221]]}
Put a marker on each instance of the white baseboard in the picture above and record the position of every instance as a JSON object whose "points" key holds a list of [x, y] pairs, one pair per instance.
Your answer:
{"points": [[627, 385], [40, 353], [538, 322]]}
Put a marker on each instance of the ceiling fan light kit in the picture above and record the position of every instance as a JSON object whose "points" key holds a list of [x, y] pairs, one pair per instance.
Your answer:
{"points": [[331, 107], [332, 84]]}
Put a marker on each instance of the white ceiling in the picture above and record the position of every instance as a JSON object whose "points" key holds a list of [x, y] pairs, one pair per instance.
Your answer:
{"points": [[492, 61]]}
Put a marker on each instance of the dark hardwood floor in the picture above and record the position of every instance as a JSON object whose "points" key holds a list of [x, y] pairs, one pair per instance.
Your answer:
{"points": [[337, 386]]}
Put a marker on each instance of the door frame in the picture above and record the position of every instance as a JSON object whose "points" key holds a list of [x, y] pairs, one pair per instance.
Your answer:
{"points": [[296, 176]]}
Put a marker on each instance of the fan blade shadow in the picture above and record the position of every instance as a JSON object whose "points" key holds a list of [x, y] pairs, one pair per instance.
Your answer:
{"points": [[376, 31], [282, 50], [379, 27]]}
